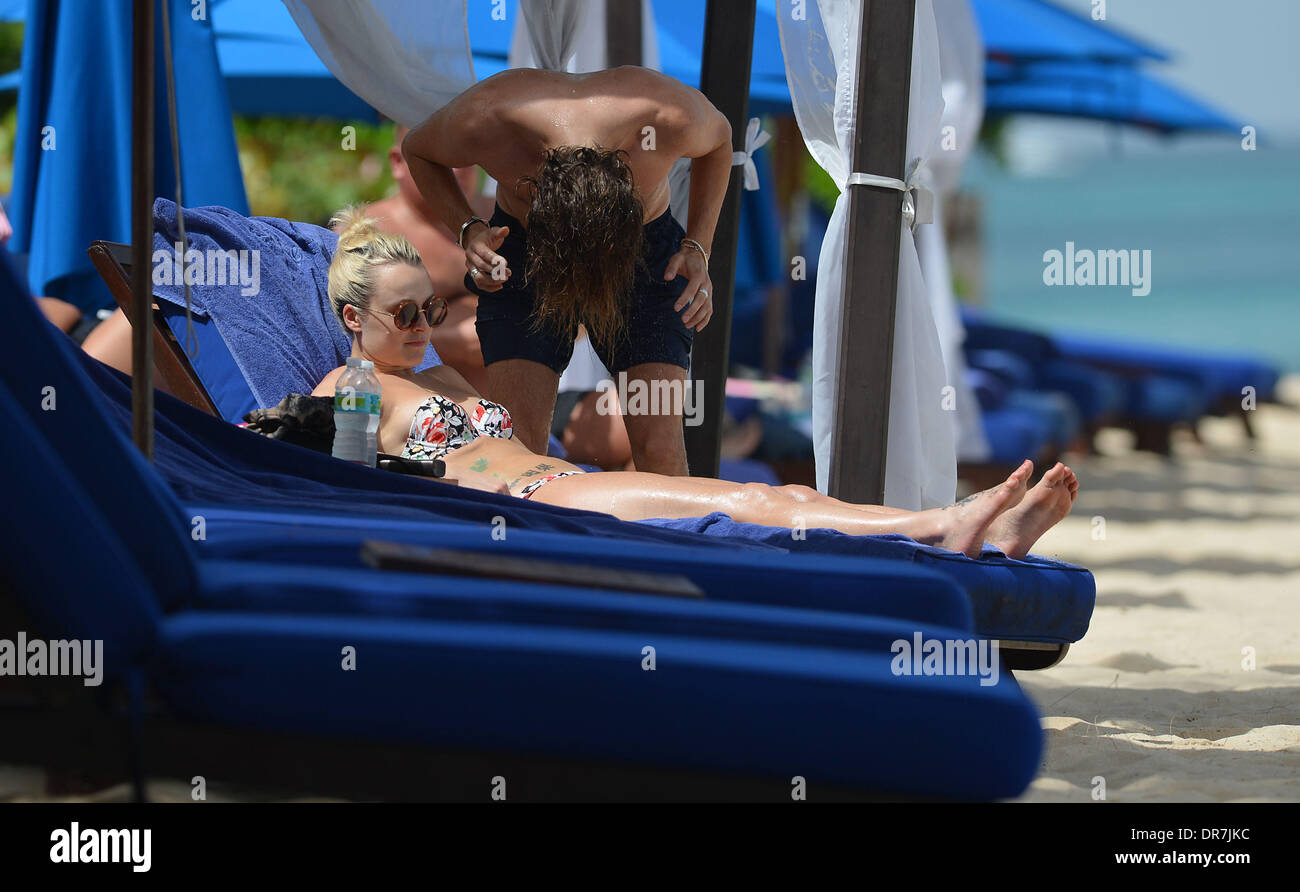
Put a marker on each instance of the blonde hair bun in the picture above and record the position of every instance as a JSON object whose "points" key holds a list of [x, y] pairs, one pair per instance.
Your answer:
{"points": [[353, 226], [362, 247]]}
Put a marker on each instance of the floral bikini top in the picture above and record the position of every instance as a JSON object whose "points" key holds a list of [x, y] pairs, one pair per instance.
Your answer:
{"points": [[441, 426]]}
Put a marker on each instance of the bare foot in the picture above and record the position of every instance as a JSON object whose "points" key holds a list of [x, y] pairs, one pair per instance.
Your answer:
{"points": [[962, 525], [1016, 530]]}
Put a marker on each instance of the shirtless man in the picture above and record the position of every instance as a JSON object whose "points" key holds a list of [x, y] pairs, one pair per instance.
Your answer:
{"points": [[408, 214], [582, 232]]}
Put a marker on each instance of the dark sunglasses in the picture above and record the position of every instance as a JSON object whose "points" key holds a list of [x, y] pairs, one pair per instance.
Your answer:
{"points": [[434, 310]]}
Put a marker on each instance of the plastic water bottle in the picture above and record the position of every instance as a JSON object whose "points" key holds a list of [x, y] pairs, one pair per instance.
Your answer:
{"points": [[356, 413]]}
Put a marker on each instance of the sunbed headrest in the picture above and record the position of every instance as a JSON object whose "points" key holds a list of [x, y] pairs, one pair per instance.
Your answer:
{"points": [[264, 282]]}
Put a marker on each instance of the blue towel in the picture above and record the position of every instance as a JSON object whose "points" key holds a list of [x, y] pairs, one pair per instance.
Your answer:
{"points": [[275, 315]]}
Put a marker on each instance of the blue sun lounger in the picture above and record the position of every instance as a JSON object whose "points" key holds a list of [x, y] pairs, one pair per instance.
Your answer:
{"points": [[258, 497], [257, 643], [1145, 396], [478, 671], [1052, 602]]}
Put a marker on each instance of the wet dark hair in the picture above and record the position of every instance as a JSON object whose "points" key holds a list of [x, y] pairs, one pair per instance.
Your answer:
{"points": [[585, 232]]}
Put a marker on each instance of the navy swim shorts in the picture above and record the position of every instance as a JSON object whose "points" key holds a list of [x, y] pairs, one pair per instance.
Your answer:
{"points": [[654, 331]]}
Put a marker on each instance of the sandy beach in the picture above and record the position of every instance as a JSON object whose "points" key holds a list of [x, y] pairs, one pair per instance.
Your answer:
{"points": [[1200, 561], [1198, 573]]}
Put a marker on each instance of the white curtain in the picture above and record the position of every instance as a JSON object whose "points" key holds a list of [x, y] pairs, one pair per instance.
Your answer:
{"points": [[961, 65], [407, 59], [821, 54], [569, 35]]}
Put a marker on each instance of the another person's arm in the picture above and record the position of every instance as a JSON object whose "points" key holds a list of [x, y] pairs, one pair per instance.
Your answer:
{"points": [[447, 140], [708, 144]]}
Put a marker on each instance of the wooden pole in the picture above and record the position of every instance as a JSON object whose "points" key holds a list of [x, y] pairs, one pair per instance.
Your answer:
{"points": [[623, 37], [142, 194], [724, 79], [870, 291]]}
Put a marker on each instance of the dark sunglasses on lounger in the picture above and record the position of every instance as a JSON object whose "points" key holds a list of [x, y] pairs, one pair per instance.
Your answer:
{"points": [[434, 310]]}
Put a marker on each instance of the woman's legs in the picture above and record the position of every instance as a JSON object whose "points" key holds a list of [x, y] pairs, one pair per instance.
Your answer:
{"points": [[632, 495], [1015, 530]]}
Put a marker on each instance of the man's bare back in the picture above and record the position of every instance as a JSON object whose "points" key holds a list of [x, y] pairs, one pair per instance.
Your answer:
{"points": [[577, 158], [506, 123]]}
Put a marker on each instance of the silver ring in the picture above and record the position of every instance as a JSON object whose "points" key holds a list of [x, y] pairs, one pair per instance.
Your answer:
{"points": [[475, 272], [702, 293]]}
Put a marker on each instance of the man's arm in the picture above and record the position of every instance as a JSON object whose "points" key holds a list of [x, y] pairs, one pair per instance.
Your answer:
{"points": [[449, 138], [708, 145], [710, 154], [432, 149]]}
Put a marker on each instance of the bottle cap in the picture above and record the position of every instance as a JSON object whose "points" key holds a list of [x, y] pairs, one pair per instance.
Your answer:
{"points": [[355, 362], [367, 365]]}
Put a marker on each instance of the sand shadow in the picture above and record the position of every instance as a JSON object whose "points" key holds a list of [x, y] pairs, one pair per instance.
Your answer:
{"points": [[1228, 565], [1174, 600]]}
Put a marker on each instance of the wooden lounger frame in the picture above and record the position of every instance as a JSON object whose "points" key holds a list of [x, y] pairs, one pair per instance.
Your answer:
{"points": [[113, 261]]}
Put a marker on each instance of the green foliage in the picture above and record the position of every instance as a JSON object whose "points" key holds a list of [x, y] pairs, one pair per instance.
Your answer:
{"points": [[299, 170], [293, 168], [820, 185]]}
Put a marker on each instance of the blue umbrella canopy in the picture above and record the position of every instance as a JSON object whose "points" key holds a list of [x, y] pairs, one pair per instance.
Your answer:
{"points": [[72, 154], [270, 69], [1030, 30], [268, 66], [1120, 94]]}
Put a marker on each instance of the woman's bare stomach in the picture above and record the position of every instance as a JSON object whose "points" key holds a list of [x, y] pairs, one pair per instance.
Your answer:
{"points": [[505, 460]]}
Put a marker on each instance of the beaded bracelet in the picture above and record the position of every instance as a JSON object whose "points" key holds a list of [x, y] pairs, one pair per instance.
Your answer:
{"points": [[692, 243]]}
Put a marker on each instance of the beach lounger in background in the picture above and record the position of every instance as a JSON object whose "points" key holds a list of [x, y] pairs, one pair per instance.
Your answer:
{"points": [[1148, 399], [1222, 377]]}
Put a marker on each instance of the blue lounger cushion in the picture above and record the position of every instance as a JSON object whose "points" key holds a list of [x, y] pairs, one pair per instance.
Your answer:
{"points": [[990, 389], [1098, 394], [1211, 376], [430, 659], [723, 570], [735, 707], [1056, 408], [1221, 375], [1035, 599], [1164, 398], [1015, 434], [297, 588], [1014, 370], [106, 598]]}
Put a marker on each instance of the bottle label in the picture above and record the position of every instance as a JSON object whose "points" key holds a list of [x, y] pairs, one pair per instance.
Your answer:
{"points": [[352, 401]]}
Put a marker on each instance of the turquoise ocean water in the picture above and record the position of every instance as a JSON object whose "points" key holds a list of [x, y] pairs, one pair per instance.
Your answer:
{"points": [[1223, 228]]}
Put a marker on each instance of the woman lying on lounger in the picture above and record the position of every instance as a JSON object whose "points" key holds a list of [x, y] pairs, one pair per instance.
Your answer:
{"points": [[384, 298]]}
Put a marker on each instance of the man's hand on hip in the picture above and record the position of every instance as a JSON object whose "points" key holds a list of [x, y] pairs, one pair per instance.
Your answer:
{"points": [[697, 297], [486, 267]]}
